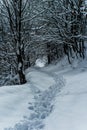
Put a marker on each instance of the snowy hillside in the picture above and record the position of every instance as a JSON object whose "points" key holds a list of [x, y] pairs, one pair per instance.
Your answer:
{"points": [[53, 99], [17, 102], [70, 111]]}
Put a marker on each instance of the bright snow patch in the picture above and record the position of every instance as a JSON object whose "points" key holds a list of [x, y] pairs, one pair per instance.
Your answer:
{"points": [[13, 104], [41, 62], [70, 111]]}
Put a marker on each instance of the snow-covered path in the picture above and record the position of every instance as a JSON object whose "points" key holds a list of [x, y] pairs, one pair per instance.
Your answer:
{"points": [[43, 102], [14, 100], [70, 111], [35, 100]]}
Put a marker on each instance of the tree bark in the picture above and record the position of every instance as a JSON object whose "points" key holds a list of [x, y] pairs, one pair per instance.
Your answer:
{"points": [[22, 77]]}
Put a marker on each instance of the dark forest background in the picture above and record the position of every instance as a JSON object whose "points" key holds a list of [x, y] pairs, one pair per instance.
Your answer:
{"points": [[32, 29]]}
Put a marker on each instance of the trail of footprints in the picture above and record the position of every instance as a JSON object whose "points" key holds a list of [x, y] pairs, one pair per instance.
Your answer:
{"points": [[41, 107]]}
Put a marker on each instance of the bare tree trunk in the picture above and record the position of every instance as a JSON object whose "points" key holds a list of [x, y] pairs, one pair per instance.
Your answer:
{"points": [[48, 53], [20, 47], [20, 68]]}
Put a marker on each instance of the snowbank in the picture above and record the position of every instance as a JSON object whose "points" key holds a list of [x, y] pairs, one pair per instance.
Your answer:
{"points": [[70, 111], [13, 104]]}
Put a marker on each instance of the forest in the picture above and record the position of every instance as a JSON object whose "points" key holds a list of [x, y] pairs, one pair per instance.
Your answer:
{"points": [[32, 29]]}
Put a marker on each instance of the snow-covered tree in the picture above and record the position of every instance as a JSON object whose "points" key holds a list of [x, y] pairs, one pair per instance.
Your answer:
{"points": [[20, 26], [65, 25], [13, 13], [33, 28]]}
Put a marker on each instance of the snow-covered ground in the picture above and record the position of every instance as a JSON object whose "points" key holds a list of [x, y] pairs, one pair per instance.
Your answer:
{"points": [[13, 104], [44, 102], [15, 100], [70, 111]]}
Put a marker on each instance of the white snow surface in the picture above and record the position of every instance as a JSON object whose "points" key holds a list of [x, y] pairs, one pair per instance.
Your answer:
{"points": [[13, 104], [41, 62], [15, 100], [44, 102], [70, 111]]}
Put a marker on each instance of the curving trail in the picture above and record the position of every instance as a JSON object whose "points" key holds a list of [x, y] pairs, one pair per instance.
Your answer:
{"points": [[30, 103]]}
